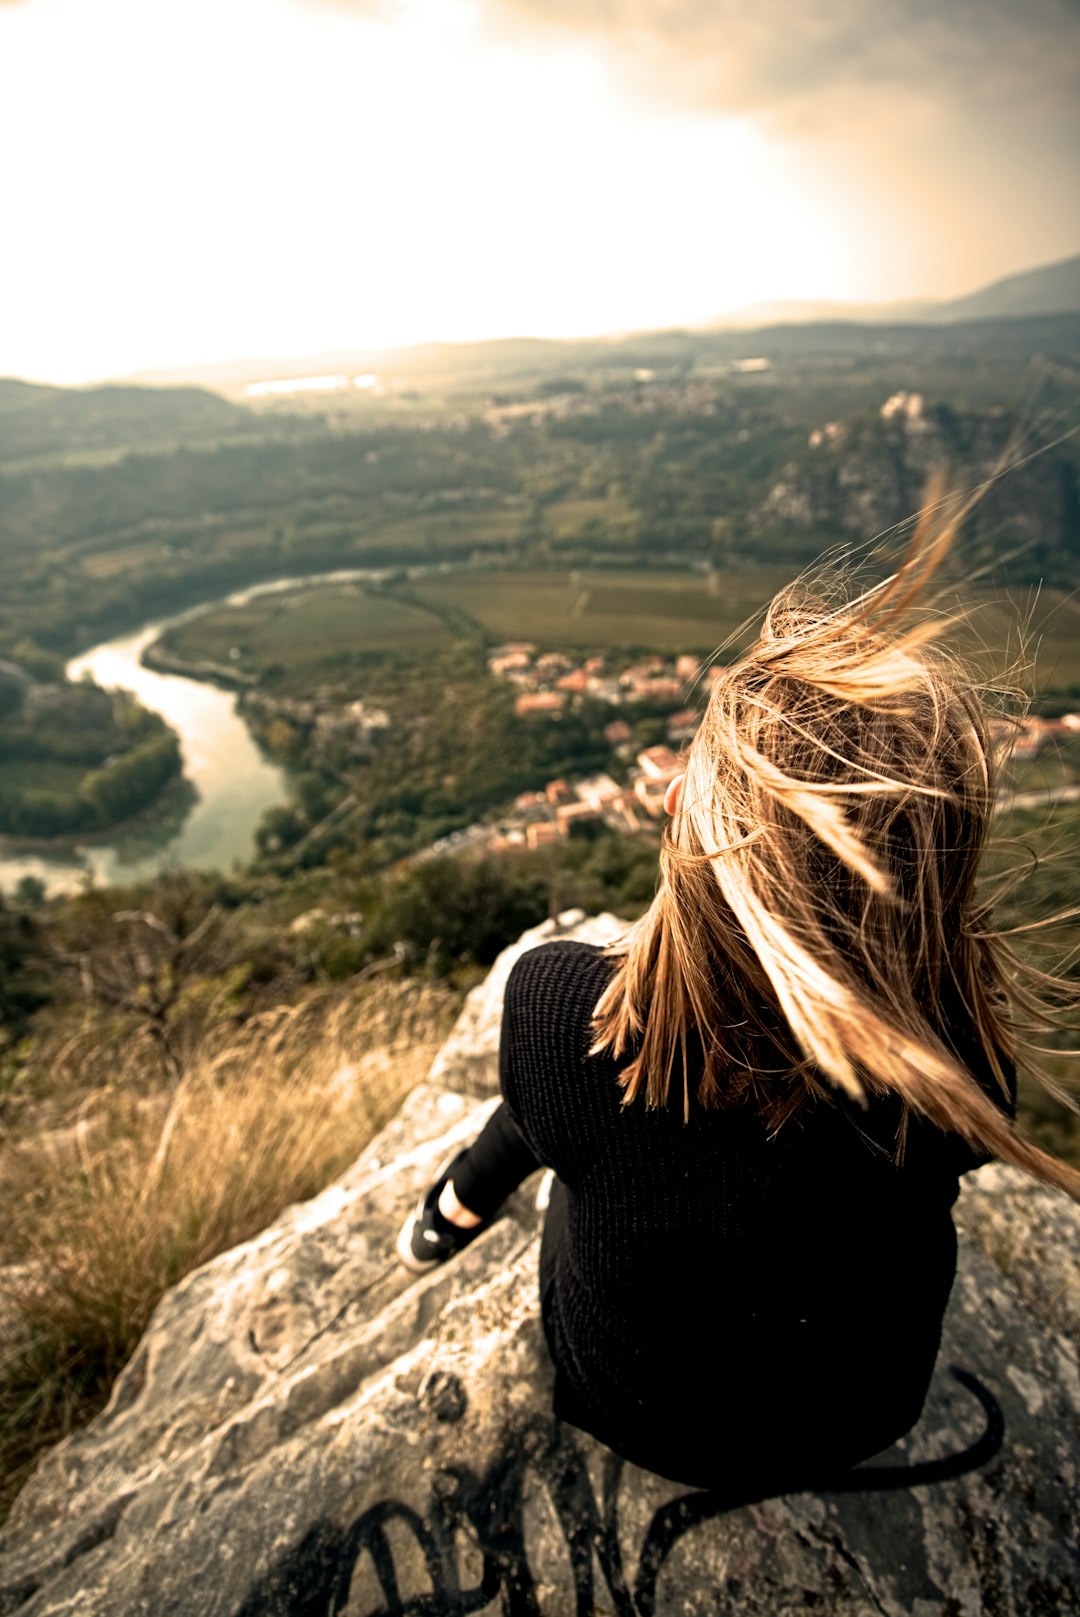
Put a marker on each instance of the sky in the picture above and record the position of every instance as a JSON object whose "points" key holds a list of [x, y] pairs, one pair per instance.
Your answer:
{"points": [[183, 183]]}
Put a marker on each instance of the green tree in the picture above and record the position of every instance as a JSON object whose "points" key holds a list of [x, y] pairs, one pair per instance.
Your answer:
{"points": [[133, 780], [447, 912]]}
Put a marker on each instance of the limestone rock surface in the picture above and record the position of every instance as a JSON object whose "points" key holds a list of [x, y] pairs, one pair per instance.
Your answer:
{"points": [[308, 1431], [469, 1060]]}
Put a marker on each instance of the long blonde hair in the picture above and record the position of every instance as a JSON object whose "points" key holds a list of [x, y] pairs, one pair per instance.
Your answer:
{"points": [[815, 922]]}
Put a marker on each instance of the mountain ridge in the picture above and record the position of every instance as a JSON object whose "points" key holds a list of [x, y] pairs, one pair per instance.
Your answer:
{"points": [[1044, 290]]}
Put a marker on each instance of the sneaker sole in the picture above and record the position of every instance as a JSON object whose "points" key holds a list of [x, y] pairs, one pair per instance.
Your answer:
{"points": [[403, 1245], [405, 1254]]}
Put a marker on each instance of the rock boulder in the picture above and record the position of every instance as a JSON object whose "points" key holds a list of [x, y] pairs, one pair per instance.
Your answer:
{"points": [[307, 1430]]}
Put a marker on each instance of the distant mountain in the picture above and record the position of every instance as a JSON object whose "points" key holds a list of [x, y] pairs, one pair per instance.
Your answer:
{"points": [[497, 354], [1053, 289], [906, 351], [39, 422], [815, 311]]}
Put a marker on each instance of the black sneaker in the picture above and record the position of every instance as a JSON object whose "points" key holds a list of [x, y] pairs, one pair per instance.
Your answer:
{"points": [[427, 1238]]}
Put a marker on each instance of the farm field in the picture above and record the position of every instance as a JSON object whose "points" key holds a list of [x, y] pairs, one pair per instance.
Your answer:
{"points": [[680, 611], [1029, 639], [634, 610], [311, 629]]}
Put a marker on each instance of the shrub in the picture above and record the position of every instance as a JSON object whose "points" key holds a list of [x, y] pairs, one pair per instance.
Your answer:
{"points": [[451, 911]]}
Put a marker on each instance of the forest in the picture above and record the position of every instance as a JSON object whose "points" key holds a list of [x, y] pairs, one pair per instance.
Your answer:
{"points": [[76, 759]]}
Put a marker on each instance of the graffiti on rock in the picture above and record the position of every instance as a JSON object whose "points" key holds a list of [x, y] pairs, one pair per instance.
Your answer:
{"points": [[314, 1577]]}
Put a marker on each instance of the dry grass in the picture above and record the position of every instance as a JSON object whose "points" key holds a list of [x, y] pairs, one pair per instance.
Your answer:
{"points": [[103, 1220]]}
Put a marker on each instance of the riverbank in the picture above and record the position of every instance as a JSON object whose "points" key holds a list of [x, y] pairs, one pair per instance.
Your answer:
{"points": [[232, 781], [163, 661], [208, 822], [175, 798], [125, 852]]}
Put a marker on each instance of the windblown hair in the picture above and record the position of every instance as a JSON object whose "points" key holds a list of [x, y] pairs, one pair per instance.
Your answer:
{"points": [[815, 922]]}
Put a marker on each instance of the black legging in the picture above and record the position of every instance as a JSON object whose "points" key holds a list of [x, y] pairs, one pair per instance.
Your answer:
{"points": [[492, 1168], [494, 1165]]}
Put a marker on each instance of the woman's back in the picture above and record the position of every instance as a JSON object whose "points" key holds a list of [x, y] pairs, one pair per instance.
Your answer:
{"points": [[757, 1102], [720, 1294]]}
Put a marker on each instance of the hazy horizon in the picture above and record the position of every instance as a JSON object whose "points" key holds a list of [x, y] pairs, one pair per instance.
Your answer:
{"points": [[248, 179]]}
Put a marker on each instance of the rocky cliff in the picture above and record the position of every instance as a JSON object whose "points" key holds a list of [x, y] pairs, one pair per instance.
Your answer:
{"points": [[307, 1430], [854, 475]]}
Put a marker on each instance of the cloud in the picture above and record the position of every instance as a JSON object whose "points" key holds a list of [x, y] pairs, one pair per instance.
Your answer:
{"points": [[943, 133], [783, 57], [784, 54], [385, 11]]}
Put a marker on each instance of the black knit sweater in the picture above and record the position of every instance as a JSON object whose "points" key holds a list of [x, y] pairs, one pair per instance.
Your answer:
{"points": [[728, 1309]]}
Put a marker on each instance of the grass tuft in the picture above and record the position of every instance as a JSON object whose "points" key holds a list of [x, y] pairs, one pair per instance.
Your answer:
{"points": [[104, 1219]]}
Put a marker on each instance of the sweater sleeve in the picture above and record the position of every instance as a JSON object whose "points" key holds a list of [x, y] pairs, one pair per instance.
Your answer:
{"points": [[510, 1061], [544, 1042]]}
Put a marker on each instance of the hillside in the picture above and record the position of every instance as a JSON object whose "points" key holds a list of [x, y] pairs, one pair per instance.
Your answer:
{"points": [[38, 421], [672, 449]]}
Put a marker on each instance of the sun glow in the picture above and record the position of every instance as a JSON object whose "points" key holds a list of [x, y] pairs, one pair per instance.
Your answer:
{"points": [[261, 177]]}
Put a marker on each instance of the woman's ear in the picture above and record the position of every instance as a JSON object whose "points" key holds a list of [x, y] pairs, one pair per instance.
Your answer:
{"points": [[671, 796]]}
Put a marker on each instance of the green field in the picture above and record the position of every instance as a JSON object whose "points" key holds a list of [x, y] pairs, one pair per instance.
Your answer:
{"points": [[696, 612], [1035, 634], [306, 630], [1029, 640], [650, 611], [452, 532]]}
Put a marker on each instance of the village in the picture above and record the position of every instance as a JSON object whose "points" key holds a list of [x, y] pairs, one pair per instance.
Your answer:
{"points": [[650, 697], [547, 683]]}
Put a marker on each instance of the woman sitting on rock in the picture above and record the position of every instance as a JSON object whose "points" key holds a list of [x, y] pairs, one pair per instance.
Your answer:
{"points": [[757, 1103]]}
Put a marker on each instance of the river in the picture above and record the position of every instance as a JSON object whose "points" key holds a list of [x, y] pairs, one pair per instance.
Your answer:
{"points": [[235, 783]]}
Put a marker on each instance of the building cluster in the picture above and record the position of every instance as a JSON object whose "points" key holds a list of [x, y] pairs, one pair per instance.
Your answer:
{"points": [[546, 816], [649, 393], [540, 818], [353, 727], [547, 683], [349, 730]]}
